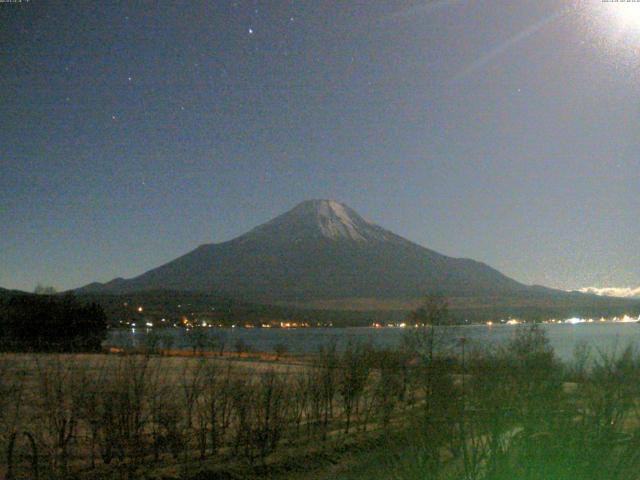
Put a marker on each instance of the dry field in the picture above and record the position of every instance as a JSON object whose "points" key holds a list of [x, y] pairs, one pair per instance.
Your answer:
{"points": [[109, 415], [513, 412]]}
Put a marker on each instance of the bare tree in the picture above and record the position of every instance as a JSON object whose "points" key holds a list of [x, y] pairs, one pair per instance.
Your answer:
{"points": [[61, 385], [353, 373]]}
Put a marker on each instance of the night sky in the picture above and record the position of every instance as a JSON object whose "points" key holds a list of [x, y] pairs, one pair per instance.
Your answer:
{"points": [[504, 131]]}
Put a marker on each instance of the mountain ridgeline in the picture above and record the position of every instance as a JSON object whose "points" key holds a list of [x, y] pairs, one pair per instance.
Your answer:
{"points": [[319, 250]]}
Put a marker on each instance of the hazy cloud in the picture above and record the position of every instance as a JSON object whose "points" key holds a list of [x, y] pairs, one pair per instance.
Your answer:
{"points": [[612, 291]]}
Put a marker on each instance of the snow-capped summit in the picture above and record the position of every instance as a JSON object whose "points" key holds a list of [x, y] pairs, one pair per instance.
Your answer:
{"points": [[335, 221], [323, 218]]}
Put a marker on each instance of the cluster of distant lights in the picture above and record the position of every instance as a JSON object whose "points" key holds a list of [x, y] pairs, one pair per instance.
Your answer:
{"points": [[517, 321], [572, 320], [188, 324]]}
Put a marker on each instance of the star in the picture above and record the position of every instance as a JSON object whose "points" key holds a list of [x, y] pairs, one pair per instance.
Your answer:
{"points": [[250, 31], [113, 117], [130, 78]]}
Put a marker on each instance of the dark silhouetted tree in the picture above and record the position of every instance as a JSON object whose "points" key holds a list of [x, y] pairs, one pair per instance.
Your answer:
{"points": [[52, 323]]}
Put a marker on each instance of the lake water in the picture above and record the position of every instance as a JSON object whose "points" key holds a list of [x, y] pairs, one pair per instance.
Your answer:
{"points": [[601, 336]]}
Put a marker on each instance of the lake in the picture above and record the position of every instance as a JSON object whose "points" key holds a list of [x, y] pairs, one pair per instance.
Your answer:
{"points": [[563, 337]]}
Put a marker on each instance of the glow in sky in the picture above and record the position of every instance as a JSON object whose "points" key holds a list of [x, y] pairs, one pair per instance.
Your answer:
{"points": [[625, 14]]}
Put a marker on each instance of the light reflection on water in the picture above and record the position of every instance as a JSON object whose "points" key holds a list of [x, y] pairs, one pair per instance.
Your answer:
{"points": [[601, 336]]}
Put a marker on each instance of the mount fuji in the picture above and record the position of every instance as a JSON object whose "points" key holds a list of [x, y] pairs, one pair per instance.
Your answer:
{"points": [[319, 250]]}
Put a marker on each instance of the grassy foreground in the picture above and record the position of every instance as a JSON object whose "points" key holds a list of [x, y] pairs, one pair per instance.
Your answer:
{"points": [[419, 412]]}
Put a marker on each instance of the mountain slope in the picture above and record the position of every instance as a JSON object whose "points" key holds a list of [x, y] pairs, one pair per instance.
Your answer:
{"points": [[320, 249]]}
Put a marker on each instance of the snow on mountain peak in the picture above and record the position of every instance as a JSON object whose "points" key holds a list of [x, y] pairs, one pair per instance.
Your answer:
{"points": [[335, 221], [327, 218]]}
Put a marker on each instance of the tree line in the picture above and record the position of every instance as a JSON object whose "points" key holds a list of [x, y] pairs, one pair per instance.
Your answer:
{"points": [[48, 322]]}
